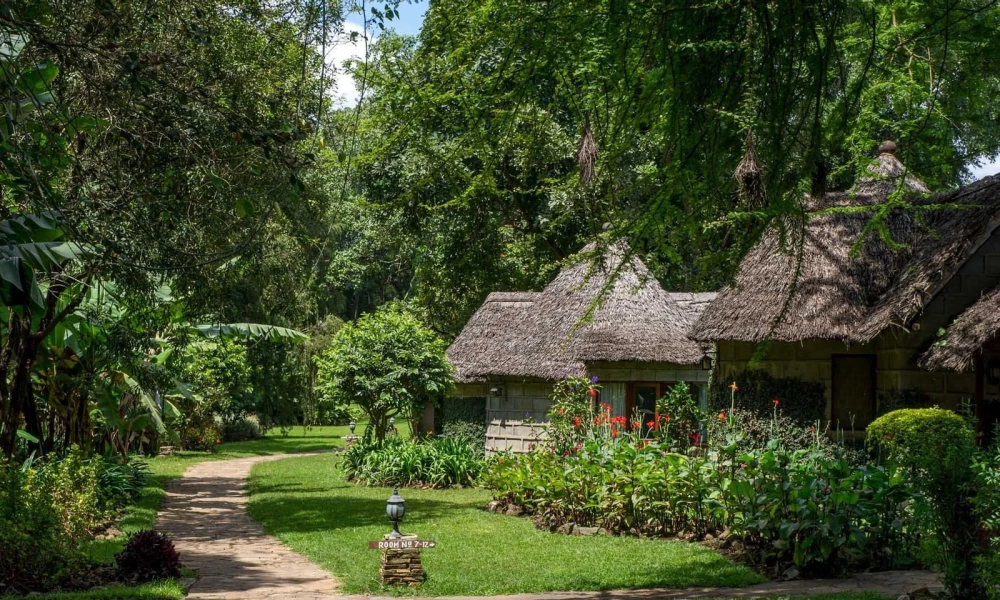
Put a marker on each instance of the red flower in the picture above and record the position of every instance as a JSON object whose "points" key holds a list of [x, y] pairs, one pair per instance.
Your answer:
{"points": [[695, 438], [666, 418], [614, 433], [636, 423], [651, 424], [812, 429], [619, 420], [577, 422], [775, 402], [722, 415], [593, 393]]}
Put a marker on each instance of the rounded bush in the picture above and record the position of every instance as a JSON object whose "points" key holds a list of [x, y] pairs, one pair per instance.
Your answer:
{"points": [[935, 440]]}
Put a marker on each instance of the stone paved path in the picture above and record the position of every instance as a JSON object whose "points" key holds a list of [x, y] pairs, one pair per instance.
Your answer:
{"points": [[205, 514]]}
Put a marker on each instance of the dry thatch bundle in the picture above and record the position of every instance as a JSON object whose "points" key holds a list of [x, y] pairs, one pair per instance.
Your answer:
{"points": [[605, 307], [836, 279], [750, 176], [979, 324], [586, 156]]}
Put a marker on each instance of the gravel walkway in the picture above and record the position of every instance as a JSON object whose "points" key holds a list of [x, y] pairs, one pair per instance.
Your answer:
{"points": [[205, 514]]}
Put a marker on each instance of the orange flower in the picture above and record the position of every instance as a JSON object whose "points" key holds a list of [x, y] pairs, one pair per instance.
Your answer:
{"points": [[734, 387], [614, 433], [722, 415], [561, 412]]}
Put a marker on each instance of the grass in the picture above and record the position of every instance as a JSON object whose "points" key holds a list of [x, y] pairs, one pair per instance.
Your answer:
{"points": [[307, 503], [142, 515], [161, 590]]}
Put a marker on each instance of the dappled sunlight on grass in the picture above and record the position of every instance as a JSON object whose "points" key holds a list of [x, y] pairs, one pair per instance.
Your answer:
{"points": [[306, 503]]}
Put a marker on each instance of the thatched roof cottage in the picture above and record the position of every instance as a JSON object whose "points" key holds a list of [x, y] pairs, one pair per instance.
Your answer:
{"points": [[605, 316], [860, 310]]}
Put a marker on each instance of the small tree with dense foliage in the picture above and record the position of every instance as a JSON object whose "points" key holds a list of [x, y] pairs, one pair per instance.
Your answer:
{"points": [[386, 362], [938, 447]]}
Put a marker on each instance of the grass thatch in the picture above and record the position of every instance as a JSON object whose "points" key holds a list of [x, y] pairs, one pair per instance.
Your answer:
{"points": [[979, 324], [605, 306], [815, 279]]}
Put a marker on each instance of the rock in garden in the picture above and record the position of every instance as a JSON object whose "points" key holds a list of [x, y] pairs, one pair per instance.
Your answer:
{"points": [[790, 573], [565, 529], [493, 506], [514, 511], [585, 531]]}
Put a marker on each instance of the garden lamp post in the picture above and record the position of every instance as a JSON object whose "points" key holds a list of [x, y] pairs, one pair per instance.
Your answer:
{"points": [[395, 507], [352, 425]]}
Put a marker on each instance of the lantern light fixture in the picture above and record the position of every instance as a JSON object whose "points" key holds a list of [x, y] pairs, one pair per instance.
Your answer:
{"points": [[395, 508]]}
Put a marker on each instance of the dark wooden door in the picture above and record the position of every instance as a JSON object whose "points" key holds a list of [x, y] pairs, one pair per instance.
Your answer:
{"points": [[853, 390]]}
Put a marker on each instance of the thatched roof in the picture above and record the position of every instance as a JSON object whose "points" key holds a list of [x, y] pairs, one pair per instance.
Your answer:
{"points": [[977, 325], [605, 306], [808, 279]]}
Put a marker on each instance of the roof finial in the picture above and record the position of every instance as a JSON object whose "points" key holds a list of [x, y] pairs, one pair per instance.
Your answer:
{"points": [[887, 147]]}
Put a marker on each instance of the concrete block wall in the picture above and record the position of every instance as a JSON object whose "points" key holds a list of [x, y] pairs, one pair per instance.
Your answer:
{"points": [[897, 350]]}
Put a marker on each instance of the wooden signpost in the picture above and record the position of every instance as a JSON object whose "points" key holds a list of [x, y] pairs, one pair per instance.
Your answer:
{"points": [[400, 544]]}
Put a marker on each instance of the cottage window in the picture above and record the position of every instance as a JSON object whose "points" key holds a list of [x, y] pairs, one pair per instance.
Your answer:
{"points": [[614, 394], [853, 391]]}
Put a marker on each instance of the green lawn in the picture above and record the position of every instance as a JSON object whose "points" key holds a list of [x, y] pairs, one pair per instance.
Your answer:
{"points": [[307, 504], [163, 590]]}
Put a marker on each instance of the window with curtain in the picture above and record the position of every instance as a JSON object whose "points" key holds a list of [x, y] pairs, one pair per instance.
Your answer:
{"points": [[614, 394]]}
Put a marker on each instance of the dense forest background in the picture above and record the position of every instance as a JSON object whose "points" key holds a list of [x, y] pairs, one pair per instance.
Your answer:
{"points": [[181, 196]]}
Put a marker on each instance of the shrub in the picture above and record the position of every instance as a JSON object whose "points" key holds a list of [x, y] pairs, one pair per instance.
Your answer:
{"points": [[802, 504], [801, 401], [240, 429], [202, 435], [120, 484], [436, 462], [148, 556], [464, 419], [49, 512], [938, 446]]}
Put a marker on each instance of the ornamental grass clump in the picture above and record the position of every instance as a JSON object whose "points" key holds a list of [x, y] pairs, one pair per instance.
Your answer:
{"points": [[695, 476], [432, 462]]}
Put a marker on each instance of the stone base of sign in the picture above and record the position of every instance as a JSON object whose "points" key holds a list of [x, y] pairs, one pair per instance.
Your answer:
{"points": [[349, 440], [402, 567]]}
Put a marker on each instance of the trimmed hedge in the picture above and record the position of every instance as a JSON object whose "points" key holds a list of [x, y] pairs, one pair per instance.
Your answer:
{"points": [[801, 401]]}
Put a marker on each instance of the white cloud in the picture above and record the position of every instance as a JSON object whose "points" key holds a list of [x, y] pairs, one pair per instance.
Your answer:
{"points": [[989, 168], [342, 49]]}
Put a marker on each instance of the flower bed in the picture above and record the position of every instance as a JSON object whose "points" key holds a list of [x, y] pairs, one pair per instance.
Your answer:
{"points": [[790, 500]]}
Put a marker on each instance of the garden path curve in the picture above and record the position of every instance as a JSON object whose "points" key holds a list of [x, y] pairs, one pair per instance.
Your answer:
{"points": [[204, 513]]}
